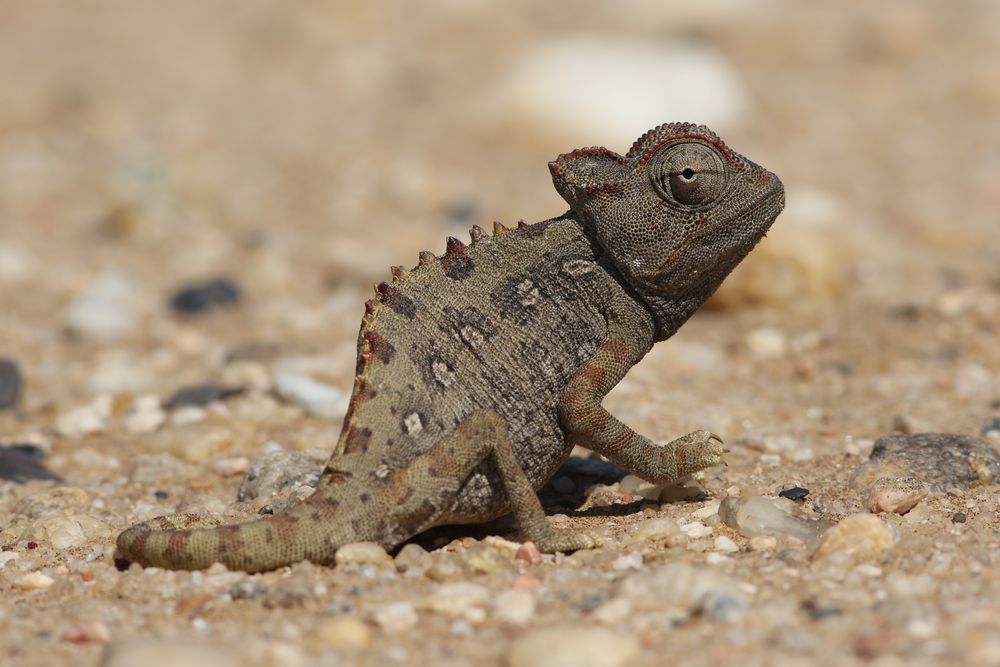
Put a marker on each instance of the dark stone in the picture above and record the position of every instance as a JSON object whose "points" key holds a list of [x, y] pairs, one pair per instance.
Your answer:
{"points": [[794, 493], [818, 612], [945, 461], [201, 394], [10, 383], [958, 517], [161, 495], [205, 296], [990, 425], [20, 463]]}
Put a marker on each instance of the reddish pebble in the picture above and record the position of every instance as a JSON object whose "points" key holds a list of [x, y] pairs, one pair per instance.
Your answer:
{"points": [[32, 545], [87, 575], [529, 552], [96, 632], [526, 582]]}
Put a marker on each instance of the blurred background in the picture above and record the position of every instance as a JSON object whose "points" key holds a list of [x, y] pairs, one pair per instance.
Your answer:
{"points": [[298, 150]]}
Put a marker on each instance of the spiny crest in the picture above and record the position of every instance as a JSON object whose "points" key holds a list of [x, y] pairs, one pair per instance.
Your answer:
{"points": [[427, 258], [454, 246], [658, 134], [477, 234], [399, 273], [499, 229]]}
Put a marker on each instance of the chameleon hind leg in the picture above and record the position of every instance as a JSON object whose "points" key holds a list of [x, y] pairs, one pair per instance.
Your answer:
{"points": [[483, 436]]}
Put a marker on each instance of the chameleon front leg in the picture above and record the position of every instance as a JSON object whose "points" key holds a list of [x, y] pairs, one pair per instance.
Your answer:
{"points": [[588, 424], [481, 436]]}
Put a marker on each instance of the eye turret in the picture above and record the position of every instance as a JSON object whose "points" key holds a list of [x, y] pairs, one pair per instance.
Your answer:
{"points": [[691, 174]]}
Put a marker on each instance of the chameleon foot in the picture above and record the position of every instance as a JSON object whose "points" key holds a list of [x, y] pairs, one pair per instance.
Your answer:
{"points": [[695, 451], [566, 540]]}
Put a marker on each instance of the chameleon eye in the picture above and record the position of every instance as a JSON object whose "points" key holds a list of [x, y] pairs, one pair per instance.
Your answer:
{"points": [[688, 173]]}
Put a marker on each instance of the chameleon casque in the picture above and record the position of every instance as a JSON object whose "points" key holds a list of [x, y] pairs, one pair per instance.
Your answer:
{"points": [[478, 371]]}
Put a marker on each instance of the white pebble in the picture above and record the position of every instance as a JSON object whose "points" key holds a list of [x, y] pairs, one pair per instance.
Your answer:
{"points": [[360, 553], [725, 545], [629, 561], [515, 607], [696, 529], [90, 418], [767, 342], [34, 581], [316, 398], [395, 616]]}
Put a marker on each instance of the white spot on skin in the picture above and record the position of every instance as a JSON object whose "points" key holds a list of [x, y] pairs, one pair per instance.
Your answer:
{"points": [[382, 471], [472, 336], [442, 373], [578, 267], [412, 424], [528, 293]]}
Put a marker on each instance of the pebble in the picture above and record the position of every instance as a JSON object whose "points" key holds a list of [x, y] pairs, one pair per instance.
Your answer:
{"points": [[682, 590], [163, 653], [93, 417], [755, 515], [486, 559], [22, 462], [944, 461], [144, 415], [859, 537], [7, 556], [655, 529], [794, 493], [573, 647], [105, 311], [59, 501], [361, 553], [205, 296], [515, 607], [896, 494], [629, 561], [413, 558], [559, 73], [696, 529], [33, 581], [460, 599], [612, 611], [767, 342], [96, 632], [10, 383], [725, 545], [66, 532], [395, 617], [315, 397], [529, 553], [277, 470], [232, 466], [343, 633], [201, 394], [763, 543]]}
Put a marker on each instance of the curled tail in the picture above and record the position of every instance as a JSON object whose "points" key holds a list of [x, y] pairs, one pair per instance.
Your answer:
{"points": [[310, 530]]}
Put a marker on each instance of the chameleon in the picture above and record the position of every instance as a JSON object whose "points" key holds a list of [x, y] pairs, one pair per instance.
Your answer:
{"points": [[479, 370]]}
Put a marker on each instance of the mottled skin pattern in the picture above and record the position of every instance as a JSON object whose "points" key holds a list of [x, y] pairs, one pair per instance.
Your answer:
{"points": [[479, 370]]}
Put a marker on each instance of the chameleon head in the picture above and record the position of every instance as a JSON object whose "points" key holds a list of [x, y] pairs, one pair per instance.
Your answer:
{"points": [[676, 213]]}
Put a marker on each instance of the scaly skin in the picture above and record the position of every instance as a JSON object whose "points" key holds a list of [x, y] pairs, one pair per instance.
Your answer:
{"points": [[479, 370]]}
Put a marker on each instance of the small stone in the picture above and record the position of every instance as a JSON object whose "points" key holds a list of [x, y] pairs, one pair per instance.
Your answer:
{"points": [[230, 467], [514, 607], [105, 311], [529, 553], [33, 581], [655, 529], [460, 599], [205, 296], [763, 543], [162, 653], [144, 415], [725, 545], [794, 493], [573, 647], [486, 559], [201, 394], [96, 632], [612, 611], [10, 383], [755, 515], [315, 397], [680, 591], [277, 470], [413, 557], [6, 557], [767, 342], [629, 561], [66, 532], [396, 617], [958, 517], [343, 633], [22, 462], [859, 536], [696, 529], [896, 494], [93, 417], [361, 553], [944, 461]]}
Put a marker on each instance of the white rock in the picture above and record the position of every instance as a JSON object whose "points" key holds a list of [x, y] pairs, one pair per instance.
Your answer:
{"points": [[725, 545], [90, 418], [316, 398], [105, 311], [144, 415], [33, 581], [656, 528], [573, 647], [360, 553], [767, 342], [7, 556], [395, 616], [696, 529], [755, 515], [460, 599], [560, 75], [629, 561], [66, 532], [515, 607]]}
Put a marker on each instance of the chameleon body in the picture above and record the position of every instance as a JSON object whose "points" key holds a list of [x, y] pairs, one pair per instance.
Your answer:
{"points": [[479, 370]]}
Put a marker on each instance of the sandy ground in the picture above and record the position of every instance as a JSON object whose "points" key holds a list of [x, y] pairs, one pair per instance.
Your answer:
{"points": [[300, 151]]}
